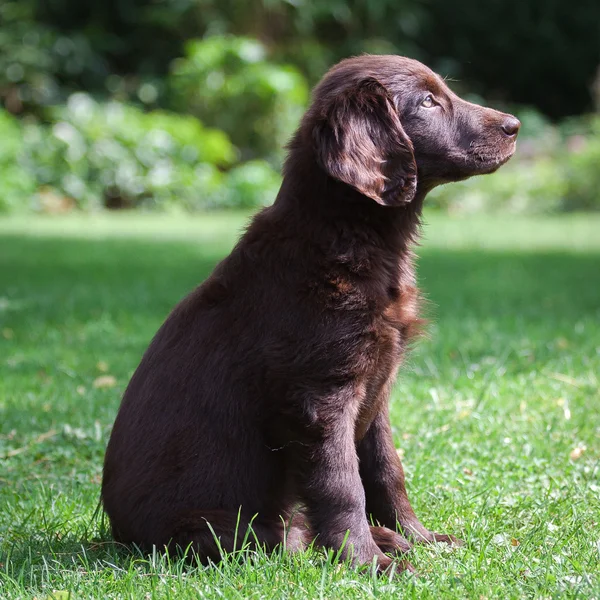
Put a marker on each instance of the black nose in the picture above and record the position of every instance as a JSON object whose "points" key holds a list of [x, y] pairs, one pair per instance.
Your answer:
{"points": [[511, 126]]}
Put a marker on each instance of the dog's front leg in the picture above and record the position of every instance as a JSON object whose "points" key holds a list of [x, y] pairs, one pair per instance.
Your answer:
{"points": [[321, 455], [384, 484]]}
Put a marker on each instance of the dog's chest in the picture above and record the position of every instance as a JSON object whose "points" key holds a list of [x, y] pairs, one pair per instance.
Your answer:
{"points": [[390, 332]]}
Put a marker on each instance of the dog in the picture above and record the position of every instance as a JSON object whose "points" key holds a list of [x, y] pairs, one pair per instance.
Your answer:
{"points": [[262, 401]]}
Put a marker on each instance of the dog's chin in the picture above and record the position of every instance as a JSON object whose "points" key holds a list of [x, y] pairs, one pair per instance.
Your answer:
{"points": [[486, 164], [471, 168], [496, 164], [468, 165]]}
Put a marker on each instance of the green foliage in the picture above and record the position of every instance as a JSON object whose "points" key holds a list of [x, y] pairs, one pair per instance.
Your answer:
{"points": [[503, 49], [243, 67], [544, 52], [16, 184], [582, 170], [115, 155], [228, 82], [112, 155], [38, 64], [251, 184]]}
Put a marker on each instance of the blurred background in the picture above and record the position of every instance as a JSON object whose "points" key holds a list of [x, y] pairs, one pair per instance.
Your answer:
{"points": [[186, 104]]}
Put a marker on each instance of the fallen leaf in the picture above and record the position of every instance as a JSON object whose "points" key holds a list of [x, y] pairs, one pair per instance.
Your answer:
{"points": [[467, 472], [577, 452], [515, 542], [104, 381]]}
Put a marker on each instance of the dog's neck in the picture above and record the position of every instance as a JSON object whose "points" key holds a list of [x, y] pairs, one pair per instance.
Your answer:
{"points": [[322, 202], [353, 232]]}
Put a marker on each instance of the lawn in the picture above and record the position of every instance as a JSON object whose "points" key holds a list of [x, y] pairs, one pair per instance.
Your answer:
{"points": [[497, 411]]}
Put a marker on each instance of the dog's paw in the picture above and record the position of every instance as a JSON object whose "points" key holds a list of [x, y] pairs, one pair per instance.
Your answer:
{"points": [[389, 541]]}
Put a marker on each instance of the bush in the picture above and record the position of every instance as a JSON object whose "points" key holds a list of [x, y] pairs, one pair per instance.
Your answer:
{"points": [[582, 170], [227, 82], [16, 183], [38, 63], [115, 155], [251, 184]]}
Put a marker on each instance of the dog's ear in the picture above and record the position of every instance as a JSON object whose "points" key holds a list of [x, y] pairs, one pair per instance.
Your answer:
{"points": [[358, 139]]}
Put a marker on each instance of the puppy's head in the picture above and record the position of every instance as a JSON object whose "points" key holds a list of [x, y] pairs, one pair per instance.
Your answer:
{"points": [[387, 125]]}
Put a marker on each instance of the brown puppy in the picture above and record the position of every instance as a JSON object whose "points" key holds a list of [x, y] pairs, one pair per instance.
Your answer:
{"points": [[266, 390]]}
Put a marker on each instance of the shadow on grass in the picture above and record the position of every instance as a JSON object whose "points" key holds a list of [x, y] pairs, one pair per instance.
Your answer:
{"points": [[33, 564], [68, 551], [536, 285], [91, 275], [85, 277]]}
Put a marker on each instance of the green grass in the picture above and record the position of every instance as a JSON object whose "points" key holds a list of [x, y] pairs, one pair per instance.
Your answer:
{"points": [[497, 411]]}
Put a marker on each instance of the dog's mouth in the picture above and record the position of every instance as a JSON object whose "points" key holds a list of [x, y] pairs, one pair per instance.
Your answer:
{"points": [[487, 160]]}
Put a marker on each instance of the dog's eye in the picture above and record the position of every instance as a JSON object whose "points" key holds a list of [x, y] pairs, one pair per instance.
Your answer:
{"points": [[428, 102]]}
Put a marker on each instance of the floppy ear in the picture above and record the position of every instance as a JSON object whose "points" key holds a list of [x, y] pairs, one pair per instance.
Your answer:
{"points": [[359, 140]]}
